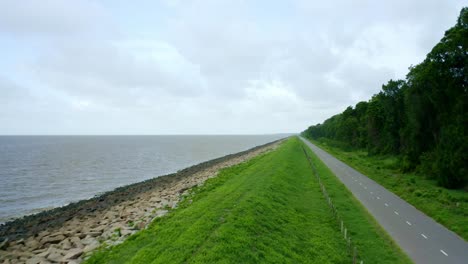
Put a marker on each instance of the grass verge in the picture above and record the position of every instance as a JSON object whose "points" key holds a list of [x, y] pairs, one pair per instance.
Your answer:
{"points": [[267, 210], [448, 207]]}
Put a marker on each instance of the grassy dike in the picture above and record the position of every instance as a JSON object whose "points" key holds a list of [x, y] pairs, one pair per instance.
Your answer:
{"points": [[269, 209], [448, 207]]}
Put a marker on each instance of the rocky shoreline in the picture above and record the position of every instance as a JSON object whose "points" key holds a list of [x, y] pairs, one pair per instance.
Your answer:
{"points": [[68, 234]]}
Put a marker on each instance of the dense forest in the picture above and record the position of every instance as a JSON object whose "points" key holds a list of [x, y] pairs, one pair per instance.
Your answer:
{"points": [[422, 119]]}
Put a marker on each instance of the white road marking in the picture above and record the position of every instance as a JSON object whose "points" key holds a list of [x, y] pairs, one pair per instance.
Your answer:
{"points": [[408, 223], [371, 193], [443, 252], [360, 184], [386, 204], [365, 187], [378, 198], [397, 213], [423, 235]]}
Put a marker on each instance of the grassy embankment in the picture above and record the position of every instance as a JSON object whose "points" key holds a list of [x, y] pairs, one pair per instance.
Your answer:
{"points": [[448, 207], [269, 209]]}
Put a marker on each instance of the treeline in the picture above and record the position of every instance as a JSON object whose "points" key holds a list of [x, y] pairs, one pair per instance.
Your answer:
{"points": [[423, 118]]}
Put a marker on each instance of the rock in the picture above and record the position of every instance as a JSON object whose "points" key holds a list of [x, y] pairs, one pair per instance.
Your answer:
{"points": [[55, 256], [20, 242], [140, 225], [91, 247], [76, 241], [99, 228], [161, 213], [65, 244], [39, 251], [4, 244], [52, 239], [73, 253], [35, 260], [126, 232], [94, 233], [42, 234], [44, 254], [155, 199], [32, 244], [88, 240]]}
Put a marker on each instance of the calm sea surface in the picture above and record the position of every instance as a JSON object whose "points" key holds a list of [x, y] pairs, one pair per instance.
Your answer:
{"points": [[42, 172]]}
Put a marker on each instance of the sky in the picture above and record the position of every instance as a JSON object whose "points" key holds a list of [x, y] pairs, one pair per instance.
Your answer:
{"points": [[203, 66]]}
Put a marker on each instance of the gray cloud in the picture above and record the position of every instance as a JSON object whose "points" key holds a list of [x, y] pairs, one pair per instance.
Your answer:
{"points": [[51, 17], [204, 66]]}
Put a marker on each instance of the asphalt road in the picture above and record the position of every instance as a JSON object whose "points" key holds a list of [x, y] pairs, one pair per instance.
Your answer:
{"points": [[422, 238]]}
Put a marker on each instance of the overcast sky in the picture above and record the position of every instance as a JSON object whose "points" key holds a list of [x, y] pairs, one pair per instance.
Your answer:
{"points": [[203, 67]]}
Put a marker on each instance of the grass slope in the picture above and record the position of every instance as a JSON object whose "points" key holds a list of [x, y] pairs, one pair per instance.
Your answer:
{"points": [[267, 210], [448, 207]]}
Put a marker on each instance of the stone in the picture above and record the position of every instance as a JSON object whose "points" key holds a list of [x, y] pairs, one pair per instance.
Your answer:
{"points": [[73, 253], [126, 232], [32, 244], [35, 260], [91, 247], [94, 233], [44, 254], [4, 244], [140, 225], [52, 239], [99, 228], [42, 234], [55, 256], [88, 240], [65, 244]]}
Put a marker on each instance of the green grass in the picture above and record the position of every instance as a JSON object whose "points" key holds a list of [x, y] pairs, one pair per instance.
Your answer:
{"points": [[267, 210], [448, 207]]}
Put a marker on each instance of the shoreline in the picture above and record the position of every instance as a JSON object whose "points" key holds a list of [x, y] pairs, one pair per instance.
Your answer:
{"points": [[84, 225]]}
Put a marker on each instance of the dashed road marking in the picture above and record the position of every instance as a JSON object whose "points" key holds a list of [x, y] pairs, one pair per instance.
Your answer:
{"points": [[386, 204], [365, 187], [423, 235], [396, 213], [408, 222], [378, 198], [443, 252], [360, 184], [371, 193]]}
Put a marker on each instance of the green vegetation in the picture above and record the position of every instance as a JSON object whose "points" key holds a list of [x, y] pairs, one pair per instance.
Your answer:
{"points": [[448, 207], [267, 210], [423, 119]]}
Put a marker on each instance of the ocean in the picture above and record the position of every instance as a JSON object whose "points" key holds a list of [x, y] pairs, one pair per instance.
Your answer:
{"points": [[43, 172]]}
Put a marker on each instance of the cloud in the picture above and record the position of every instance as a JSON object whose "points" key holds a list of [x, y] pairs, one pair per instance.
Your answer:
{"points": [[51, 17], [119, 72], [203, 66]]}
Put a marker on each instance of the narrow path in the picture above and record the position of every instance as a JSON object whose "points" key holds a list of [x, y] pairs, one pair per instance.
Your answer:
{"points": [[422, 238]]}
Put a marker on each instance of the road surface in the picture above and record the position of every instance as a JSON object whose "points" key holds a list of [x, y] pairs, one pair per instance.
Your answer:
{"points": [[423, 239]]}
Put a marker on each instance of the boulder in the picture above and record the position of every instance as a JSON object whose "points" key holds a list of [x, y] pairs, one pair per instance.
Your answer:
{"points": [[4, 244], [52, 239], [91, 247], [88, 240], [35, 260], [32, 244], [55, 257], [65, 244], [73, 254]]}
